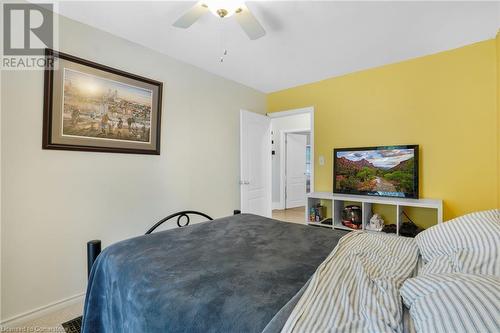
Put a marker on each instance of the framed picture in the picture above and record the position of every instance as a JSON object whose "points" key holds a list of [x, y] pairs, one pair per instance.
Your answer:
{"points": [[92, 107]]}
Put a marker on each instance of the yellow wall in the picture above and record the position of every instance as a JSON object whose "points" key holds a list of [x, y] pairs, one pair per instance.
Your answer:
{"points": [[498, 116], [446, 103]]}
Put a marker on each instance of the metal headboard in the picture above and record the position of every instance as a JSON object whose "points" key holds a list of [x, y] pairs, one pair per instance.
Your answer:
{"points": [[94, 246], [179, 215]]}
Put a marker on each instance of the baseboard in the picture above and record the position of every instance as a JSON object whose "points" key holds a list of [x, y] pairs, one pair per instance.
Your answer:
{"points": [[41, 311]]}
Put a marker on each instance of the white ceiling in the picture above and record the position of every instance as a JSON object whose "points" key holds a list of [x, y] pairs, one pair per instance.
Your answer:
{"points": [[306, 41]]}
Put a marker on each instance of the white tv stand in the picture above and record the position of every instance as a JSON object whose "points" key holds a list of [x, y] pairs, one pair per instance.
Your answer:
{"points": [[366, 202]]}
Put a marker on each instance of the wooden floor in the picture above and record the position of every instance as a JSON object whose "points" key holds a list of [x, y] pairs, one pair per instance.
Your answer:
{"points": [[295, 215]]}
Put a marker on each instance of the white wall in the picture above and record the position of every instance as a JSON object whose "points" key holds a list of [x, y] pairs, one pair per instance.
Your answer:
{"points": [[1, 214], [279, 125], [55, 201]]}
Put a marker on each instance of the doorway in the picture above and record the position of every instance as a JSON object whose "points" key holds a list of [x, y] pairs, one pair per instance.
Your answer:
{"points": [[292, 176], [265, 187], [297, 176]]}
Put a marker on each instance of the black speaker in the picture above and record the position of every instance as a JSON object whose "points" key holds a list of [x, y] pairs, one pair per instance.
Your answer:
{"points": [[236, 212], [93, 250]]}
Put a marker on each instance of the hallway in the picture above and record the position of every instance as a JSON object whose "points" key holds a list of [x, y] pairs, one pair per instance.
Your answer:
{"points": [[295, 215]]}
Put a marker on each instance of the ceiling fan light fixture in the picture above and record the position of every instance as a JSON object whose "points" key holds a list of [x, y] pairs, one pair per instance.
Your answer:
{"points": [[223, 8]]}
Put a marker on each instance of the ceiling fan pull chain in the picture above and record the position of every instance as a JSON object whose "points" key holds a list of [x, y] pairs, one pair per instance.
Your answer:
{"points": [[222, 43]]}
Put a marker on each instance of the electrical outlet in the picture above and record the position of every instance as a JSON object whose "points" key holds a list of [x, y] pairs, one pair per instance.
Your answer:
{"points": [[321, 160]]}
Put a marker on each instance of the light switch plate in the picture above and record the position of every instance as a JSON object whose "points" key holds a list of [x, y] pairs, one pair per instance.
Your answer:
{"points": [[321, 160]]}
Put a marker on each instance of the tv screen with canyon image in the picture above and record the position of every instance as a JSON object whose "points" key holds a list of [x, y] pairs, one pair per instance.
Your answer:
{"points": [[390, 171]]}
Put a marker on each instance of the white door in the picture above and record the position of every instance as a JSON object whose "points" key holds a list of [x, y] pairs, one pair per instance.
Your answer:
{"points": [[295, 170], [255, 163]]}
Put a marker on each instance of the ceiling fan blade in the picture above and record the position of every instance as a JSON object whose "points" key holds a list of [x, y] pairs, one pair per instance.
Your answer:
{"points": [[191, 16], [249, 23]]}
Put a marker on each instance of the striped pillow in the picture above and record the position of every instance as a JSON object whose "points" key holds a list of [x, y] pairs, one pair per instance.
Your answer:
{"points": [[453, 302], [467, 244]]}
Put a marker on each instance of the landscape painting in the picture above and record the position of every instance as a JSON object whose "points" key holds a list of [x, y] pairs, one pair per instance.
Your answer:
{"points": [[96, 107], [385, 172]]}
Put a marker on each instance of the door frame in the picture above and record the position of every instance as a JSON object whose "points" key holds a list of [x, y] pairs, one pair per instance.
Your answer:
{"points": [[283, 169], [280, 114]]}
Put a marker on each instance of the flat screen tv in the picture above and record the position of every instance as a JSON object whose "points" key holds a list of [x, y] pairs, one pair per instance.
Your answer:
{"points": [[390, 171]]}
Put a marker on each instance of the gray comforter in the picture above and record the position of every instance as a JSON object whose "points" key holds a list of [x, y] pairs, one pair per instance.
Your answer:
{"points": [[228, 275]]}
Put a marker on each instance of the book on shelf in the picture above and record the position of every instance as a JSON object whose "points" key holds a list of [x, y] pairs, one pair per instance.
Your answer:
{"points": [[317, 213]]}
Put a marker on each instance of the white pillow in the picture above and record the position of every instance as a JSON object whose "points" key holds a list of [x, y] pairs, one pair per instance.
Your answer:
{"points": [[453, 302], [466, 244], [438, 265]]}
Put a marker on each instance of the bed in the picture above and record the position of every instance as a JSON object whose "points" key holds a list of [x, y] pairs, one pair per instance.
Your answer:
{"points": [[247, 273], [232, 274]]}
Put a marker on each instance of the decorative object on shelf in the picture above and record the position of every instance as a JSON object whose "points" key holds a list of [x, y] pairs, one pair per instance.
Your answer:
{"points": [[406, 229], [390, 228], [409, 228], [352, 217], [376, 223], [92, 107], [317, 213]]}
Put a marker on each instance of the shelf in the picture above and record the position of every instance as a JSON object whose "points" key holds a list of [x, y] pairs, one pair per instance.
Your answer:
{"points": [[343, 227], [426, 203], [319, 224], [339, 201], [320, 195]]}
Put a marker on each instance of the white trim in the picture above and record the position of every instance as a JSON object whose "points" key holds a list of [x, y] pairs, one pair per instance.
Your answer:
{"points": [[280, 114], [312, 144], [292, 112], [277, 205], [42, 311], [1, 173], [241, 160]]}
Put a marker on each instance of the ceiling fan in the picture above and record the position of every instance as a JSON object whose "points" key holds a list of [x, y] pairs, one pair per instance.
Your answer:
{"points": [[223, 9]]}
